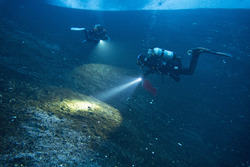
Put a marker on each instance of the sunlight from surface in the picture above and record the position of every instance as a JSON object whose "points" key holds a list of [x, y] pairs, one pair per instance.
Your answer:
{"points": [[107, 5]]}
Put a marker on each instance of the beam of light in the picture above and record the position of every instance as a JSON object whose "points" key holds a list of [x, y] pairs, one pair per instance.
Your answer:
{"points": [[109, 93], [101, 44], [102, 49]]}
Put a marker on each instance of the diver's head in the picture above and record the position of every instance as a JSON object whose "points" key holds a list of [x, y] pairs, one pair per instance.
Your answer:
{"points": [[141, 59], [98, 28], [97, 25]]}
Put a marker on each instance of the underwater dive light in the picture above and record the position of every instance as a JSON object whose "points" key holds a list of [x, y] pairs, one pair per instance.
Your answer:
{"points": [[139, 79]]}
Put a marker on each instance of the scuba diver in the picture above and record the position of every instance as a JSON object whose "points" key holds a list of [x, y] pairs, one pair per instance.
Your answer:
{"points": [[168, 63], [95, 35]]}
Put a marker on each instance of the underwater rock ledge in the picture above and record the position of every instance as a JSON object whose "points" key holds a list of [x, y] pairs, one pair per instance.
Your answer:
{"points": [[89, 114]]}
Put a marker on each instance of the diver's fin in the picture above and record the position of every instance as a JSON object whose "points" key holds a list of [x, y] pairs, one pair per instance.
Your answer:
{"points": [[205, 50], [197, 51], [77, 29], [222, 54]]}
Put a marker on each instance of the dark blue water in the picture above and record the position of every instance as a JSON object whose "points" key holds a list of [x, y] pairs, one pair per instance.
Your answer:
{"points": [[201, 121]]}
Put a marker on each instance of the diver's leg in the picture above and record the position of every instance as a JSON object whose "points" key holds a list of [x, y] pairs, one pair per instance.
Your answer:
{"points": [[194, 59], [195, 55], [192, 66]]}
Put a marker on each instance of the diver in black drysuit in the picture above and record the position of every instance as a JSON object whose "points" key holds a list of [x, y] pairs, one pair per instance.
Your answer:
{"points": [[96, 34], [168, 63]]}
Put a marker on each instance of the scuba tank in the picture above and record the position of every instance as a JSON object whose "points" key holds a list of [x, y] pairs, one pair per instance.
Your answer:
{"points": [[162, 53]]}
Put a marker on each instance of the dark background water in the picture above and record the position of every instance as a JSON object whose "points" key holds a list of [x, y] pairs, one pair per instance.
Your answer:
{"points": [[208, 113]]}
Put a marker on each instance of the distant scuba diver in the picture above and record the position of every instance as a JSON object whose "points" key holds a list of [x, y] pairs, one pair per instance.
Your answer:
{"points": [[95, 35], [168, 63]]}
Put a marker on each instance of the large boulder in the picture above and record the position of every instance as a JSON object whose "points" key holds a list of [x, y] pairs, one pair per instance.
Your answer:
{"points": [[90, 115]]}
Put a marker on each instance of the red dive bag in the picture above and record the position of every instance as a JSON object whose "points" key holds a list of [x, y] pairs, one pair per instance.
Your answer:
{"points": [[149, 87]]}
